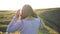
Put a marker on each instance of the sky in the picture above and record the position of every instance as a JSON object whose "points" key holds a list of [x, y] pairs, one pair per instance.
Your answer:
{"points": [[36, 4]]}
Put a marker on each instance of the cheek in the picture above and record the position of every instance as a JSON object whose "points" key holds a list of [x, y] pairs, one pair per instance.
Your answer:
{"points": [[20, 12]]}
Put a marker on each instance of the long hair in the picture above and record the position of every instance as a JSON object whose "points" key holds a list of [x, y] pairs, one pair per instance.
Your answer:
{"points": [[27, 11]]}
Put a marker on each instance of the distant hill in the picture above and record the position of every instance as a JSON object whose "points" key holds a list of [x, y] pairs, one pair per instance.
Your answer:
{"points": [[51, 17]]}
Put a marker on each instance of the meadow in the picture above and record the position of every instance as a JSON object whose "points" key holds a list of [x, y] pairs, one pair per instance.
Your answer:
{"points": [[49, 16]]}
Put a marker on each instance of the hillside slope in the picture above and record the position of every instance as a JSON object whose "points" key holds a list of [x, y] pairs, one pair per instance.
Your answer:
{"points": [[51, 17]]}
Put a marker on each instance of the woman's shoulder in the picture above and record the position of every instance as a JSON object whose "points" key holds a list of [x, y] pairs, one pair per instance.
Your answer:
{"points": [[38, 18], [34, 19]]}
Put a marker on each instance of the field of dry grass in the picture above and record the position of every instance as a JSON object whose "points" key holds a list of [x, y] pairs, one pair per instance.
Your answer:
{"points": [[6, 16]]}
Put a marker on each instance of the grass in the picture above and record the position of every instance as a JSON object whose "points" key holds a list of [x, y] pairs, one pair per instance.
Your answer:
{"points": [[5, 18]]}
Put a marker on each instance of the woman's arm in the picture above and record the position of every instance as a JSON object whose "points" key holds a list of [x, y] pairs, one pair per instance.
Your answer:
{"points": [[14, 22], [15, 18], [43, 28], [41, 23], [15, 27]]}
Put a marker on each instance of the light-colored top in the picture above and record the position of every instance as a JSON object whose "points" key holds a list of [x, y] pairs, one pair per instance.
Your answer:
{"points": [[27, 27]]}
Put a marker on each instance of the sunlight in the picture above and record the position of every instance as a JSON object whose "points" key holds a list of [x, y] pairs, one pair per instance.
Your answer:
{"points": [[36, 4]]}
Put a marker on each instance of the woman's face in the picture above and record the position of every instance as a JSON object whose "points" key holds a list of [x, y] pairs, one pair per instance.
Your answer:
{"points": [[20, 13]]}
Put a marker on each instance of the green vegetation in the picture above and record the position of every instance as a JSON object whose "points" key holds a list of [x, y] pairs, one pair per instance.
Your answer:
{"points": [[49, 16]]}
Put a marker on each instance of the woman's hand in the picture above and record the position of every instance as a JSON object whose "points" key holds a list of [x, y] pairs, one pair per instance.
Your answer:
{"points": [[18, 13]]}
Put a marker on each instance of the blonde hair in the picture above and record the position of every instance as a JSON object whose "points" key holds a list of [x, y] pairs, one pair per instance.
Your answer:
{"points": [[27, 11]]}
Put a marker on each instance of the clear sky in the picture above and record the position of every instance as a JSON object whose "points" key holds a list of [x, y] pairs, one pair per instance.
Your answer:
{"points": [[36, 4]]}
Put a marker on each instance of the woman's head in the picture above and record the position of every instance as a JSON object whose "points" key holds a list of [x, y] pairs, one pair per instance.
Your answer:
{"points": [[27, 11]]}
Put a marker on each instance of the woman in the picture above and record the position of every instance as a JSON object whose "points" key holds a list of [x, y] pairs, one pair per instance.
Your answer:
{"points": [[29, 23]]}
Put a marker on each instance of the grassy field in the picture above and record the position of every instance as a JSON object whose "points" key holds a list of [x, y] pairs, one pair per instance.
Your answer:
{"points": [[51, 17], [6, 16]]}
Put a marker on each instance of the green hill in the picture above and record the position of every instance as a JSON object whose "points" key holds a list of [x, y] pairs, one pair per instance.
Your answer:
{"points": [[51, 17]]}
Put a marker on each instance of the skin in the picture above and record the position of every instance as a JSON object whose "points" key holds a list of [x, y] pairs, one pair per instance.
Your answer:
{"points": [[29, 18], [18, 13]]}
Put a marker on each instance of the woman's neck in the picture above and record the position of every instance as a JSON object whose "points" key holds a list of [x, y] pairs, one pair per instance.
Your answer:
{"points": [[29, 18]]}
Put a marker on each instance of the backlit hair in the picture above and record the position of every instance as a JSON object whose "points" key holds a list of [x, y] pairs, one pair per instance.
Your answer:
{"points": [[27, 11]]}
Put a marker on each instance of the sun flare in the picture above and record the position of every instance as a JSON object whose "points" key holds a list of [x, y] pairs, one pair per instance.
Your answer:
{"points": [[36, 4]]}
